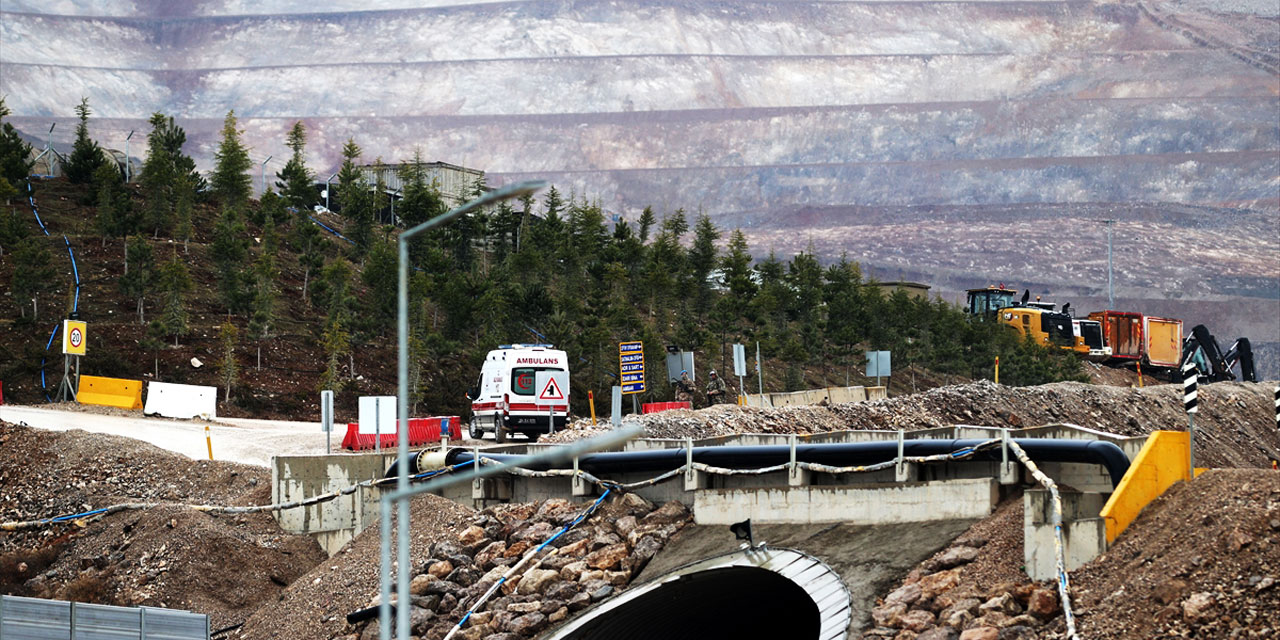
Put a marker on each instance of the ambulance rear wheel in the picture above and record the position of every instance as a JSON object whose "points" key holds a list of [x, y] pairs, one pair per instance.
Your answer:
{"points": [[499, 433], [475, 430]]}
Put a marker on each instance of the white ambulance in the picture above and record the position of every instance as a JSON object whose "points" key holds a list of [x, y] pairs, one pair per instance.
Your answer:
{"points": [[505, 399]]}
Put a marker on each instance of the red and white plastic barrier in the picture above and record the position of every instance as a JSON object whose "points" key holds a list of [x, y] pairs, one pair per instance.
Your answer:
{"points": [[421, 431]]}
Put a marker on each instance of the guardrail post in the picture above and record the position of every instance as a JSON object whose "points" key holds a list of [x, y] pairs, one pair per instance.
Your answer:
{"points": [[478, 484], [903, 471], [580, 487], [1010, 472], [796, 477], [693, 479]]}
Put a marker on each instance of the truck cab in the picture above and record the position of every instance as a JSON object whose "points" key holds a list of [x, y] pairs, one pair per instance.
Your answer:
{"points": [[504, 398]]}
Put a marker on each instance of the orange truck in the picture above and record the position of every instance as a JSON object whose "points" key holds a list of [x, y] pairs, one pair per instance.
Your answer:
{"points": [[1133, 337]]}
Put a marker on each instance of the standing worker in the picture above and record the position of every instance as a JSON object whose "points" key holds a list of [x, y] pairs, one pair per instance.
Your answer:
{"points": [[715, 389], [684, 388]]}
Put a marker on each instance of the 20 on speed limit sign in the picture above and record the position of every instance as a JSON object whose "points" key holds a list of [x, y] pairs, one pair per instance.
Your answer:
{"points": [[74, 334]]}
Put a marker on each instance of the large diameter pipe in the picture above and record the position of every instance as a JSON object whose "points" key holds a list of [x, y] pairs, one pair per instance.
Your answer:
{"points": [[1097, 452]]}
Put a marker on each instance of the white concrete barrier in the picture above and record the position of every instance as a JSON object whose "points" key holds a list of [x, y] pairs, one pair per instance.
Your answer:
{"points": [[181, 400]]}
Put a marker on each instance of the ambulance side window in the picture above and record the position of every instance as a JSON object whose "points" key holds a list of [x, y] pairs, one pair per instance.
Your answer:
{"points": [[474, 392]]}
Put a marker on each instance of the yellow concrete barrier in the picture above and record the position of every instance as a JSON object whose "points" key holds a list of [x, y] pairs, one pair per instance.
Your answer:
{"points": [[110, 392], [1161, 462]]}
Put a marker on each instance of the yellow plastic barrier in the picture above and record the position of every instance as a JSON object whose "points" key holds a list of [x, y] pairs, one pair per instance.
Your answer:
{"points": [[110, 392], [1161, 462]]}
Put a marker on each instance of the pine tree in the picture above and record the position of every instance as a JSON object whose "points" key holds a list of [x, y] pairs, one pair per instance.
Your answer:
{"points": [[703, 256], [647, 221], [228, 368], [15, 164], [381, 276], [355, 201], [231, 180], [337, 343], [229, 248], [33, 275], [264, 290], [294, 180], [86, 155], [173, 283], [736, 269], [137, 282]]}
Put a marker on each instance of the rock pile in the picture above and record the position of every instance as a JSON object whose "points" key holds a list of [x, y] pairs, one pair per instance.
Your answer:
{"points": [[585, 565], [1238, 415], [931, 605]]}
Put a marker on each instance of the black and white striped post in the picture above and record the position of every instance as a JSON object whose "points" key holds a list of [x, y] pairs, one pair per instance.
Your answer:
{"points": [[1190, 376], [1278, 407]]}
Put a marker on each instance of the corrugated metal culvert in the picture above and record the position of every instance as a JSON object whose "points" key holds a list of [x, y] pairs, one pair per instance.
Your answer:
{"points": [[754, 593]]}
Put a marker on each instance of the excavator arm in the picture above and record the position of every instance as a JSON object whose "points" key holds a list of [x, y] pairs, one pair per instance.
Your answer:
{"points": [[1201, 348]]}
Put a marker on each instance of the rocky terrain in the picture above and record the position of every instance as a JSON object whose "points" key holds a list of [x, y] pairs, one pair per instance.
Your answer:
{"points": [[1234, 427], [168, 557], [1199, 562]]}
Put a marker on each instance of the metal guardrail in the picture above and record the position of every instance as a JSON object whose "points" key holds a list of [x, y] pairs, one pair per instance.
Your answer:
{"points": [[39, 619]]}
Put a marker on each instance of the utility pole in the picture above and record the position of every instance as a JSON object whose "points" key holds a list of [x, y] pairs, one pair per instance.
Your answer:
{"points": [[1111, 292]]}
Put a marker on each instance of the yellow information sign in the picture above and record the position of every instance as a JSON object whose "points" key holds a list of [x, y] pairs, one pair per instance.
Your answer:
{"points": [[74, 337]]}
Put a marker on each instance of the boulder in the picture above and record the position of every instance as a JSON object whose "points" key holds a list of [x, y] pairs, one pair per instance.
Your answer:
{"points": [[1043, 603], [906, 594], [1004, 603], [420, 620], [440, 569], [592, 575], [579, 602], [939, 633], [888, 615], [536, 533], [559, 615], [981, 633], [524, 607], [562, 590], [527, 624], [554, 510], [670, 513], [617, 578], [489, 552], [917, 620], [604, 539], [1024, 620], [956, 556], [601, 593], [471, 535], [575, 549], [418, 586], [537, 580], [573, 571], [607, 558], [938, 583], [624, 525], [465, 576], [1199, 607], [634, 504], [516, 550]]}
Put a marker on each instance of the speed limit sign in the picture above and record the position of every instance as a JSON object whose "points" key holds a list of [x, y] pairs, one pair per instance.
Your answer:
{"points": [[74, 337]]}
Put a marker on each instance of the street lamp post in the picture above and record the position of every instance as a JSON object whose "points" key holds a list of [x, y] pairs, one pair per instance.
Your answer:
{"points": [[402, 426]]}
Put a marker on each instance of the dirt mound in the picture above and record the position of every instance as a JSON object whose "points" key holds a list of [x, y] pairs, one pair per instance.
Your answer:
{"points": [[226, 566], [316, 605], [1201, 561], [1234, 426]]}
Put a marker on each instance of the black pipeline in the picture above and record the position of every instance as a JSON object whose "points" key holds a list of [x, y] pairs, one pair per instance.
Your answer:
{"points": [[1097, 452]]}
